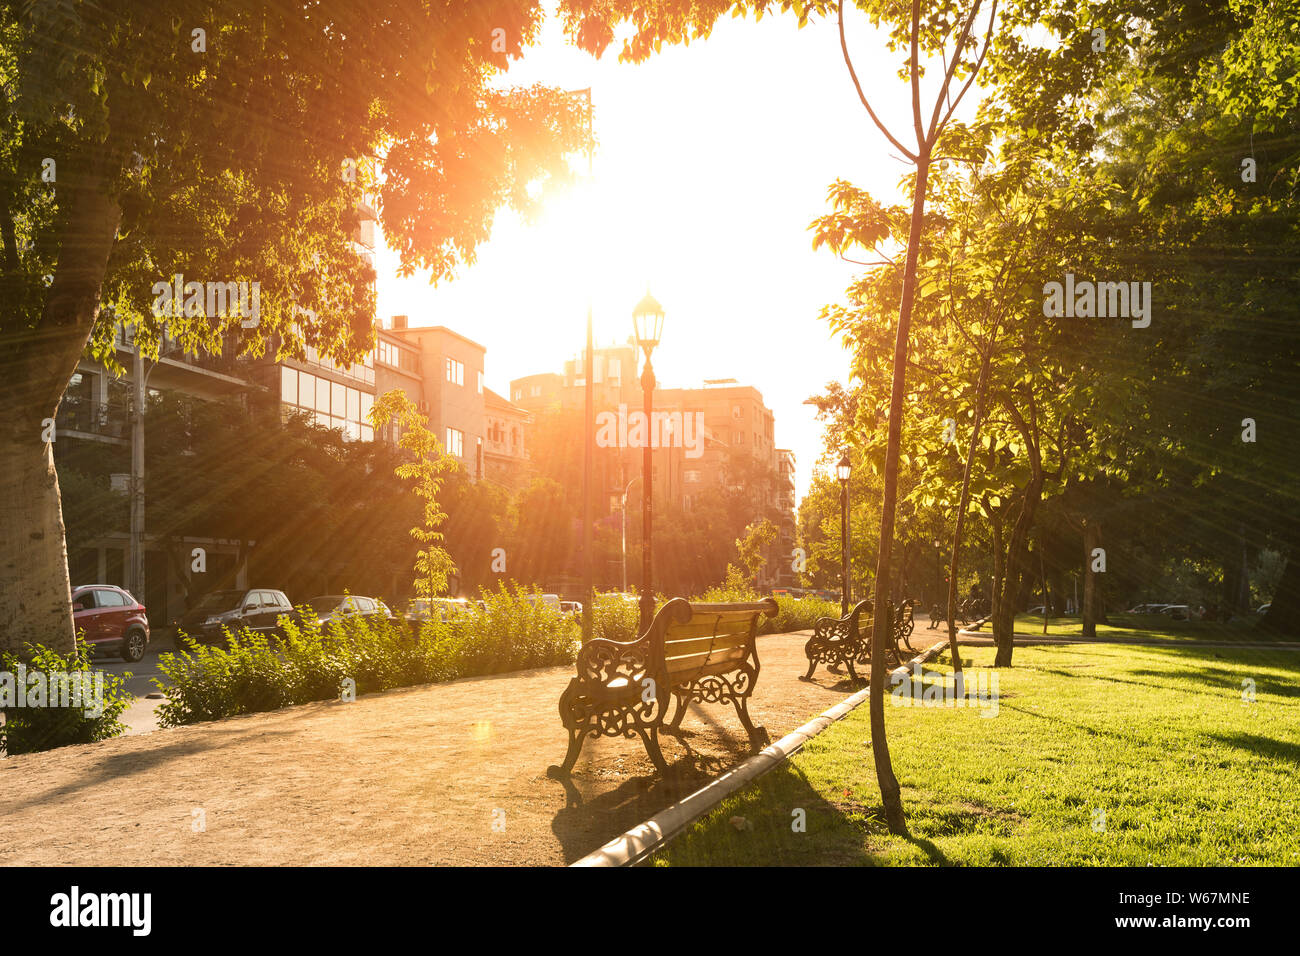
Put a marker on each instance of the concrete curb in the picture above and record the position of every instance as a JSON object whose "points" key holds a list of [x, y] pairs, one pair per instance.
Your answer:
{"points": [[638, 843]]}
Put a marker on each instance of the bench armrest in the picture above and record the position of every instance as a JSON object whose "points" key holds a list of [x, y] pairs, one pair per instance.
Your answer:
{"points": [[601, 660]]}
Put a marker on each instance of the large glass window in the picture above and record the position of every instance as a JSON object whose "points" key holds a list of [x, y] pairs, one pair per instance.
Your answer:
{"points": [[354, 404], [455, 442], [455, 371], [306, 390], [339, 401], [322, 396], [288, 385]]}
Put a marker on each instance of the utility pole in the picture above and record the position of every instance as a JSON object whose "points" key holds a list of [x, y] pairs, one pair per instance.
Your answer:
{"points": [[589, 420], [135, 565]]}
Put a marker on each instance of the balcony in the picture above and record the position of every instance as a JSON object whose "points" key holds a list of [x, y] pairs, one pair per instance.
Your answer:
{"points": [[106, 419]]}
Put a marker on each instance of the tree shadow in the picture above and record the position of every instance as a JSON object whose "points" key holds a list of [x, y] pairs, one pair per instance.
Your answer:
{"points": [[784, 820], [1269, 747]]}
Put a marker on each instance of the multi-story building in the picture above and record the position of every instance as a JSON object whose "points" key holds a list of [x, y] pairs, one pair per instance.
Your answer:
{"points": [[505, 455], [732, 446], [452, 382], [538, 393]]}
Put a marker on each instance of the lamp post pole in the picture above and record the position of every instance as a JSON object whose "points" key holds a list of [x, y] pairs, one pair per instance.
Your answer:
{"points": [[647, 496], [648, 317]]}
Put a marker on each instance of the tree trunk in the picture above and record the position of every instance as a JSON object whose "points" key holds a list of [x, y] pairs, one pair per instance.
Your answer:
{"points": [[1004, 619], [35, 600], [882, 635], [1283, 614], [960, 523], [1091, 603]]}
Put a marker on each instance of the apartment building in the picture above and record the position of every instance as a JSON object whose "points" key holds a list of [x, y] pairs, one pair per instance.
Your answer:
{"points": [[505, 454], [451, 374]]}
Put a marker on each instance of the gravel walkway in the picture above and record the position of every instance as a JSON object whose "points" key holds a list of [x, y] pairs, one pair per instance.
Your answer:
{"points": [[444, 774]]}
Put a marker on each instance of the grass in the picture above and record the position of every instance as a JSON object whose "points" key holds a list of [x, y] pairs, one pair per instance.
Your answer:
{"points": [[1158, 738], [1244, 629]]}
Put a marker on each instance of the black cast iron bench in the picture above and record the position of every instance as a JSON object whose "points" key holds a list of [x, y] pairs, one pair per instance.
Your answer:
{"points": [[692, 652]]}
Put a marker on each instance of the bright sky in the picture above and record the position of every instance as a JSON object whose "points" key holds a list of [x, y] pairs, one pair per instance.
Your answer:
{"points": [[713, 159]]}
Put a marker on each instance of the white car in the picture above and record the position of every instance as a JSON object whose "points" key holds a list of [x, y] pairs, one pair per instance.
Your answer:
{"points": [[1179, 612], [441, 609]]}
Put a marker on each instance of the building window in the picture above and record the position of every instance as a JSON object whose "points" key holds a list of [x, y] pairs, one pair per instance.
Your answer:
{"points": [[519, 394], [480, 382], [535, 391], [288, 385], [455, 371], [615, 372], [456, 442], [692, 476], [735, 411]]}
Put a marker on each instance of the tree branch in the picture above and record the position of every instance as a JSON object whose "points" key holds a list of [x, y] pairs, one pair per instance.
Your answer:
{"points": [[848, 61]]}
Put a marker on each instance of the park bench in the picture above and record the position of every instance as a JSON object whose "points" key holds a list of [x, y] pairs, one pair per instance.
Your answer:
{"points": [[845, 641], [904, 624], [693, 652], [840, 642]]}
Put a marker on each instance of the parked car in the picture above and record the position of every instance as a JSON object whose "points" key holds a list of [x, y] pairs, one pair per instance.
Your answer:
{"points": [[1179, 612], [1144, 609], [338, 607], [1263, 608], [113, 620], [441, 609], [258, 609], [571, 607], [549, 600]]}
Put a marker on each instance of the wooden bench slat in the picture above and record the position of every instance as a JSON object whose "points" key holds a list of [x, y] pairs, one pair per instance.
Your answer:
{"points": [[704, 628], [679, 665], [697, 644]]}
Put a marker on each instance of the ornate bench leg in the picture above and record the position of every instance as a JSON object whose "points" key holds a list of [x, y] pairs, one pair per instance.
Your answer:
{"points": [[812, 666], [678, 713], [852, 673], [650, 736], [575, 748], [756, 734]]}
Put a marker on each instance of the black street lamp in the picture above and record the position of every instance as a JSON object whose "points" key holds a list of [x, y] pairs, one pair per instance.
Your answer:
{"points": [[648, 321], [842, 471]]}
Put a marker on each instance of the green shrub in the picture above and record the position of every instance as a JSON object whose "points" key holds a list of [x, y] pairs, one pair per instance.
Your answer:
{"points": [[615, 618], [310, 663], [797, 614], [29, 728]]}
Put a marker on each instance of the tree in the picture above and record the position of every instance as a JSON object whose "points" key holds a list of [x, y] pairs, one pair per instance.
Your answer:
{"points": [[230, 144], [424, 468], [751, 548]]}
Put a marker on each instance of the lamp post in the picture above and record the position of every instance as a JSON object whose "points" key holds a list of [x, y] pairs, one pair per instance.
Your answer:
{"points": [[842, 471], [648, 322]]}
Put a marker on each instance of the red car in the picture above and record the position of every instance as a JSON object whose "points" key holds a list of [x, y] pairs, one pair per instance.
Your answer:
{"points": [[113, 620]]}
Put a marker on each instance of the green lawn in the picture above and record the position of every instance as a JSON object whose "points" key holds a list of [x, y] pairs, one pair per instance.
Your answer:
{"points": [[1159, 739], [1245, 629]]}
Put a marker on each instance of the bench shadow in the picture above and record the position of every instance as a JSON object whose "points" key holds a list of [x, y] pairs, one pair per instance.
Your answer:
{"points": [[836, 827]]}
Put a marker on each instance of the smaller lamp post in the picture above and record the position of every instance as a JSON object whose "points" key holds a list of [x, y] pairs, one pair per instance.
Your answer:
{"points": [[842, 471]]}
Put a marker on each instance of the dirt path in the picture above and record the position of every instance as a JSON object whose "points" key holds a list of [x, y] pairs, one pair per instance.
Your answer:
{"points": [[414, 776]]}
